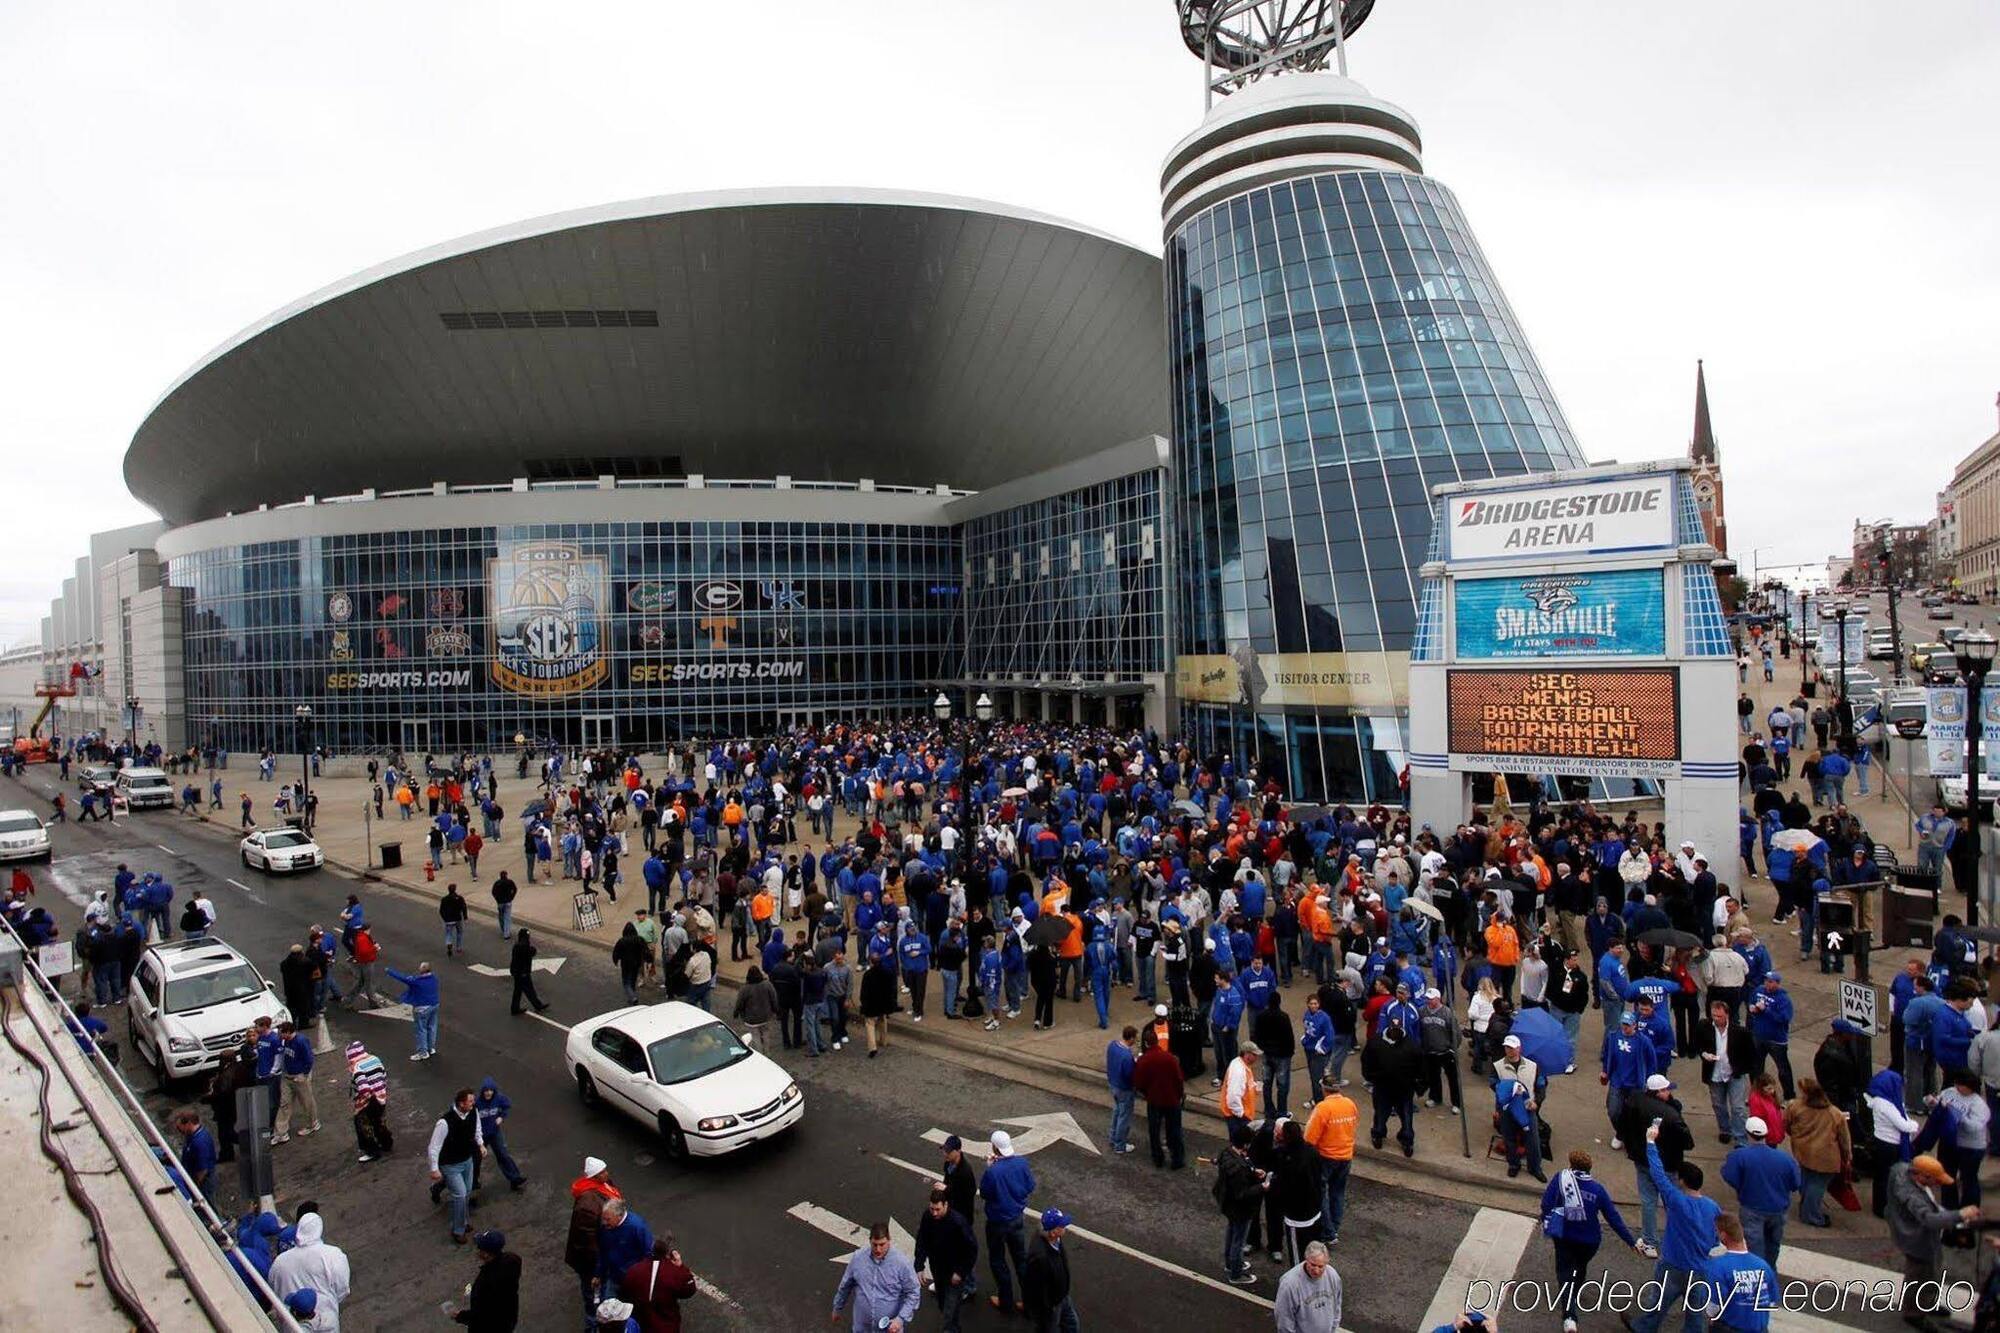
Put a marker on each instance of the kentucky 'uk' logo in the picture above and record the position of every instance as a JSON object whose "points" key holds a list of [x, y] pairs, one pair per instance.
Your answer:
{"points": [[547, 603]]}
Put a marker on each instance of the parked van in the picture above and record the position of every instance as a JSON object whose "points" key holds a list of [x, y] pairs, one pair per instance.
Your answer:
{"points": [[145, 789]]}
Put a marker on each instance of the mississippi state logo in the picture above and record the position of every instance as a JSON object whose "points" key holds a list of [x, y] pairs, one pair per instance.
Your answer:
{"points": [[547, 602]]}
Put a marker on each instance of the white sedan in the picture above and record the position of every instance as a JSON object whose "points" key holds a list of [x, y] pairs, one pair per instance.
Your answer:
{"points": [[23, 836], [682, 1070], [272, 850]]}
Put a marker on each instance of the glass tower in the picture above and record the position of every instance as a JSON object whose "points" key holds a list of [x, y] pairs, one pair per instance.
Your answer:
{"points": [[1338, 346]]}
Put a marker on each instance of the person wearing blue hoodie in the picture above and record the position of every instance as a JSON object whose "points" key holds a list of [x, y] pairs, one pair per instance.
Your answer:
{"points": [[1099, 957], [1684, 1249], [1951, 1030], [493, 1106], [1006, 1188], [420, 992], [1743, 1286], [1766, 1180], [1316, 1040], [1771, 1028], [1628, 1059]]}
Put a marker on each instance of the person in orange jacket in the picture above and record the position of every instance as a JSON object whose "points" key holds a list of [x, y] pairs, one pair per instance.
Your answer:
{"points": [[1503, 951]]}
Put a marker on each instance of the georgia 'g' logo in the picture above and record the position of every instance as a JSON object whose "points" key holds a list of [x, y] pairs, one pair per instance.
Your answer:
{"points": [[547, 602], [718, 595]]}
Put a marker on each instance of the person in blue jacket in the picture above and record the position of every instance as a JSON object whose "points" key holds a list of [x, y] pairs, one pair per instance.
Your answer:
{"points": [[1684, 1250], [1576, 1209], [493, 1106], [1100, 957], [1659, 1028], [1951, 1030], [1006, 1187], [1612, 981], [1919, 1070], [420, 992], [1119, 1062], [1517, 1127], [1743, 1288], [913, 957], [1258, 984], [1628, 1059], [1316, 1039], [1225, 1016], [1771, 1029]]}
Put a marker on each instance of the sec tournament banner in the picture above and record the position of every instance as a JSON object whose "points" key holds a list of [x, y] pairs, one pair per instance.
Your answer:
{"points": [[1616, 613], [547, 601], [1944, 730]]}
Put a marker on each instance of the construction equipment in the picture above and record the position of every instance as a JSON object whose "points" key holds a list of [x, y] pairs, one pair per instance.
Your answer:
{"points": [[34, 748]]}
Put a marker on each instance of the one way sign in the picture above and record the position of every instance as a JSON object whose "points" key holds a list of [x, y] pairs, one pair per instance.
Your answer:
{"points": [[1857, 1004]]}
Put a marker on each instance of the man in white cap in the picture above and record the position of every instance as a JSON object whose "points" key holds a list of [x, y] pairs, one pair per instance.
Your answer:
{"points": [[1513, 1064], [1006, 1187], [1766, 1180], [1438, 1036], [588, 1194], [1685, 862]]}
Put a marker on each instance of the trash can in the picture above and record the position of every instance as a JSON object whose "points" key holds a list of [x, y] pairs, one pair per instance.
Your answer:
{"points": [[392, 855], [296, 822], [1184, 1034]]}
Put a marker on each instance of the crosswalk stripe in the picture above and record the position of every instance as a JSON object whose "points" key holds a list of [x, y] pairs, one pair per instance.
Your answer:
{"points": [[1490, 1253]]}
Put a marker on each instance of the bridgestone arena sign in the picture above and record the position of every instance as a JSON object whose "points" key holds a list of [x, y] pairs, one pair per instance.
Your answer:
{"points": [[1594, 722], [1630, 514]]}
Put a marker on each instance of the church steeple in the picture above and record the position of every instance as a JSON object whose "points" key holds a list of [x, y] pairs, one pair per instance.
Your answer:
{"points": [[1702, 448]]}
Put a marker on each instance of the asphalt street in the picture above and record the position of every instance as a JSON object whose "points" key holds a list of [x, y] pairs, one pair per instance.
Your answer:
{"points": [[755, 1227], [763, 1229]]}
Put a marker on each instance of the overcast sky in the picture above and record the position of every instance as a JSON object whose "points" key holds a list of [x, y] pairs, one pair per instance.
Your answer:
{"points": [[1801, 191]]}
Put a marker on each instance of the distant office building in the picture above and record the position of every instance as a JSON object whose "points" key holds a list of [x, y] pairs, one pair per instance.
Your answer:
{"points": [[1975, 488]]}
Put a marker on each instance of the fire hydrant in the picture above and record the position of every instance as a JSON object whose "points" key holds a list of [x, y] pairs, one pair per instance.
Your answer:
{"points": [[430, 873]]}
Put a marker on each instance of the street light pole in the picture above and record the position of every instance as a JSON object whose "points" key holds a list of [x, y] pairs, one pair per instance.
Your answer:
{"points": [[1975, 659], [1800, 635], [1841, 611], [304, 714]]}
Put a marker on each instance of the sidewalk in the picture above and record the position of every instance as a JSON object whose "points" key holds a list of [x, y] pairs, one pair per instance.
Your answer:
{"points": [[1071, 1054]]}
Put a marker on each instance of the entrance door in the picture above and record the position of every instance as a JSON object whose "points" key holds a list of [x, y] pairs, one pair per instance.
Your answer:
{"points": [[416, 739], [600, 731]]}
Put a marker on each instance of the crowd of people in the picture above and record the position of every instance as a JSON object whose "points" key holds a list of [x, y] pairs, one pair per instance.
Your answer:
{"points": [[977, 870]]}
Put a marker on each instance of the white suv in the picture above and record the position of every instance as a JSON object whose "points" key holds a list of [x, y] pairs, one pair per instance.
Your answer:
{"points": [[23, 836], [191, 1001], [145, 789]]}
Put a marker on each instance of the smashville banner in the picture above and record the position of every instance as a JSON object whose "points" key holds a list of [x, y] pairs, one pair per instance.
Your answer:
{"points": [[1608, 613], [1587, 721]]}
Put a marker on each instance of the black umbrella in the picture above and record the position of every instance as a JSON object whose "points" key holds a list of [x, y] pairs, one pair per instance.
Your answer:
{"points": [[1668, 938], [1050, 929]]}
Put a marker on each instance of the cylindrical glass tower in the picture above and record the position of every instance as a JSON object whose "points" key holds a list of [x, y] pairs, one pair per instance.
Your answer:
{"points": [[1338, 346]]}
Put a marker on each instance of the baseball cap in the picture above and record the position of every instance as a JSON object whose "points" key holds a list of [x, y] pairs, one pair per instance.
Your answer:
{"points": [[614, 1309], [1053, 1218], [1159, 1011], [1433, 993], [1772, 976], [1628, 1017], [1658, 1083], [1511, 1040], [952, 1143], [1755, 1127], [1002, 1143], [492, 1242], [594, 1166]]}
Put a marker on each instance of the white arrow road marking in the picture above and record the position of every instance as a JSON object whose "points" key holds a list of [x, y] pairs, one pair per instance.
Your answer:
{"points": [[715, 1293], [549, 965], [400, 1012], [1489, 1254], [1038, 1132], [850, 1233], [1152, 1260], [168, 850], [560, 1027]]}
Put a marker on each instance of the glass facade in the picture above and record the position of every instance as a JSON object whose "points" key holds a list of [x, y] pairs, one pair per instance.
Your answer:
{"points": [[626, 633], [1338, 346], [1069, 586]]}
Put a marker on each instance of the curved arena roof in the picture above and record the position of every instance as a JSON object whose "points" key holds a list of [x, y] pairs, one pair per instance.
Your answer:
{"points": [[823, 335]]}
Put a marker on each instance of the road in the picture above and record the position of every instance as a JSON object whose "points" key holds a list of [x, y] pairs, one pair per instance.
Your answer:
{"points": [[1146, 1235], [756, 1228]]}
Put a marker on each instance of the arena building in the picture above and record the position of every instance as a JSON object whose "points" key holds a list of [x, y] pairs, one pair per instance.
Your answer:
{"points": [[722, 464]]}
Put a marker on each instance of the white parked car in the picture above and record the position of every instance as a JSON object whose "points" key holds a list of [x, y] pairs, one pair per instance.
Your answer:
{"points": [[682, 1070], [192, 1000], [23, 836], [281, 849]]}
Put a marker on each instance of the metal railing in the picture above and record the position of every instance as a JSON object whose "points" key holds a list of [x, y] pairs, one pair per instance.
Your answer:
{"points": [[221, 1235]]}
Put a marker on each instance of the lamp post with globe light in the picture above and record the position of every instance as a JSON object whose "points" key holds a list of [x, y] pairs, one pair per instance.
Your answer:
{"points": [[1975, 659]]}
